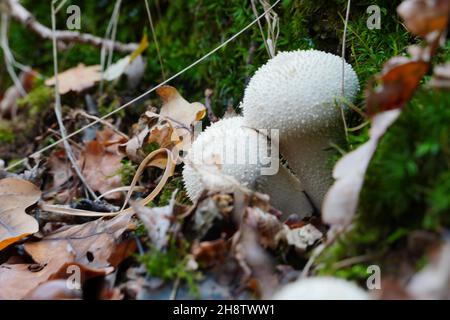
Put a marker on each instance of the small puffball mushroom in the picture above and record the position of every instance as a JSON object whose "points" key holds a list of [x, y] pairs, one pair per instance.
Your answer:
{"points": [[227, 154], [321, 288], [296, 93]]}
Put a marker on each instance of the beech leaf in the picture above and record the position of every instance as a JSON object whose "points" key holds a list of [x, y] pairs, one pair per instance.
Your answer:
{"points": [[15, 196], [94, 247], [77, 79]]}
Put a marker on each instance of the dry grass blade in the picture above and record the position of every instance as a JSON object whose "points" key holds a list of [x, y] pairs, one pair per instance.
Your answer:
{"points": [[144, 164]]}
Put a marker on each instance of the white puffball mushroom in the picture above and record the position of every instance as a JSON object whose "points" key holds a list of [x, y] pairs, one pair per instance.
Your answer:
{"points": [[321, 288], [226, 154], [296, 93]]}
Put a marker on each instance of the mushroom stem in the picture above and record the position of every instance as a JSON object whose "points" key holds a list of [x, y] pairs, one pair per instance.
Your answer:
{"points": [[295, 93], [310, 160]]}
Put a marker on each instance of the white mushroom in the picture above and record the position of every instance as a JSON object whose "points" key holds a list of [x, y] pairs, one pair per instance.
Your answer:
{"points": [[296, 93], [321, 288], [227, 154]]}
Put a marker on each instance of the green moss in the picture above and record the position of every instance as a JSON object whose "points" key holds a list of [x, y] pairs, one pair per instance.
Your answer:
{"points": [[126, 172], [410, 170], [171, 264], [107, 104], [166, 193], [150, 147], [407, 183], [188, 29], [38, 101], [6, 132]]}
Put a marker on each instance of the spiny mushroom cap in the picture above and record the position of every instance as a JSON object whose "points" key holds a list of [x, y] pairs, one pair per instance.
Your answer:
{"points": [[296, 91], [225, 147], [321, 288]]}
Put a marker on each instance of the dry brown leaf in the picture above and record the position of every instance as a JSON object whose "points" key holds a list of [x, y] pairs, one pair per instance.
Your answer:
{"points": [[267, 226], [423, 17], [342, 198], [8, 103], [209, 253], [60, 168], [177, 109], [133, 147], [101, 161], [182, 116], [77, 79], [94, 247], [15, 196], [397, 83], [171, 129]]}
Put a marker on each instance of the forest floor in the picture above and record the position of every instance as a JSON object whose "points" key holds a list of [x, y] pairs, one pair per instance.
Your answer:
{"points": [[92, 201]]}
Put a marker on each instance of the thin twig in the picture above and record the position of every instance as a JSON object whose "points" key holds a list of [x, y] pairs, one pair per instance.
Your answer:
{"points": [[58, 111], [102, 121], [132, 101], [22, 15], [176, 285], [273, 28], [255, 12], [9, 59]]}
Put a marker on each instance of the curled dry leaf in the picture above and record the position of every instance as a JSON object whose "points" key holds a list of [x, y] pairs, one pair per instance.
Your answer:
{"points": [[181, 114], [342, 198], [77, 79], [16, 195], [92, 248], [101, 161], [395, 86], [423, 17], [8, 103], [170, 129], [177, 109]]}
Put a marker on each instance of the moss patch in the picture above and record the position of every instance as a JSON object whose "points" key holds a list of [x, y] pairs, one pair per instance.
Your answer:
{"points": [[407, 184]]}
